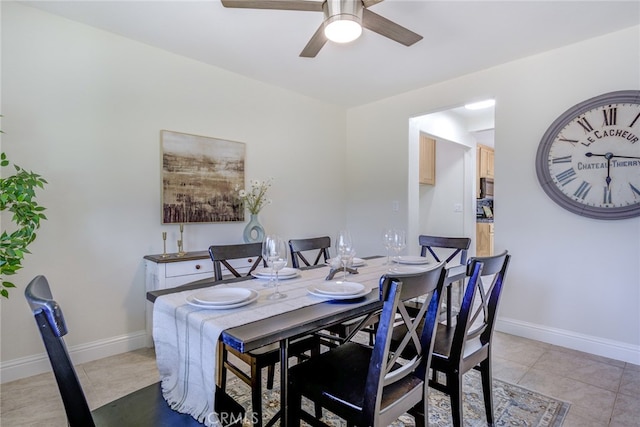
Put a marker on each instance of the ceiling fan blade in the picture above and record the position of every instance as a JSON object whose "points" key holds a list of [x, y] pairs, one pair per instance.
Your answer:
{"points": [[306, 5], [315, 43], [389, 29]]}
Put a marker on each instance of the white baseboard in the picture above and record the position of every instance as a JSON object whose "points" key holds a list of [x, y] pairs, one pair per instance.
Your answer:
{"points": [[37, 364], [573, 340]]}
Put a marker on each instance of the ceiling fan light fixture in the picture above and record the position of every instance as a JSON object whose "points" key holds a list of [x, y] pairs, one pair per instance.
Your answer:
{"points": [[343, 20], [342, 30]]}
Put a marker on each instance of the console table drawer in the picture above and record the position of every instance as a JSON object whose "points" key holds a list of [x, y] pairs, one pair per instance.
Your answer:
{"points": [[185, 268]]}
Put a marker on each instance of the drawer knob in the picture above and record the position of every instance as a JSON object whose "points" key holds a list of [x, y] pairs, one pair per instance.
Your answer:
{"points": [[198, 267], [249, 260]]}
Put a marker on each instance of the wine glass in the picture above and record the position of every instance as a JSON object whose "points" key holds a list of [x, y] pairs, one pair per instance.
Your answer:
{"points": [[344, 250], [399, 242], [388, 237], [275, 249], [265, 257]]}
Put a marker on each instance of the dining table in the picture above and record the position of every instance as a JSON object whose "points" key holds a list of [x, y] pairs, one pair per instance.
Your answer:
{"points": [[186, 333]]}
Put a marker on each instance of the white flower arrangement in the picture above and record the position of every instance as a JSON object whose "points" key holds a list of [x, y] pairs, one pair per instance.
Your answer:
{"points": [[255, 198]]}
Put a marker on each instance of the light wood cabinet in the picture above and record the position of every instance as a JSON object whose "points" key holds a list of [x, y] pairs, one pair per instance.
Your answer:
{"points": [[485, 161], [484, 238], [427, 160]]}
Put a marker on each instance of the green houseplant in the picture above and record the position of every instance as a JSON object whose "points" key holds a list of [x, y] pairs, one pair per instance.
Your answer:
{"points": [[18, 195]]}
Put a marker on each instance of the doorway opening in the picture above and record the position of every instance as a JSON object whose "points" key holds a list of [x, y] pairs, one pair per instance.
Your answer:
{"points": [[448, 207]]}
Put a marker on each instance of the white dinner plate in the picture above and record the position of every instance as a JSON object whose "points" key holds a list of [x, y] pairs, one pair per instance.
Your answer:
{"points": [[267, 273], [357, 262], [337, 297], [221, 295], [408, 259], [407, 269], [338, 288], [254, 296]]}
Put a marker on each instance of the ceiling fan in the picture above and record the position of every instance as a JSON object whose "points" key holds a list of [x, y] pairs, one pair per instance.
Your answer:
{"points": [[352, 14]]}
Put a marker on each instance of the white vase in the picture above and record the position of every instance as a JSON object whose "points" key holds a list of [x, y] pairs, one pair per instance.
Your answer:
{"points": [[253, 232]]}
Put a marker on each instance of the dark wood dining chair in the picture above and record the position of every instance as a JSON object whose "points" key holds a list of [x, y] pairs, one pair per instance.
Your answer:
{"points": [[453, 250], [322, 245], [263, 357], [143, 408], [221, 254], [299, 247], [371, 386], [467, 345]]}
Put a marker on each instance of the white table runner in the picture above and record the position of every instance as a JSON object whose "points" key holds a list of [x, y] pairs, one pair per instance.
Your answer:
{"points": [[186, 337]]}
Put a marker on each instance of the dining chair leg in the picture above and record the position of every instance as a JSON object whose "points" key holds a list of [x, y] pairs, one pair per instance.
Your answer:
{"points": [[454, 384], [294, 407], [270, 376], [487, 390], [256, 395]]}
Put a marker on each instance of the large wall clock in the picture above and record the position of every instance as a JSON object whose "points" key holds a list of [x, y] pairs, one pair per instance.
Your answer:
{"points": [[588, 161]]}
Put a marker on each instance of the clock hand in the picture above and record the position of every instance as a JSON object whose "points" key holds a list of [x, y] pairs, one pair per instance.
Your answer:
{"points": [[607, 156], [611, 155]]}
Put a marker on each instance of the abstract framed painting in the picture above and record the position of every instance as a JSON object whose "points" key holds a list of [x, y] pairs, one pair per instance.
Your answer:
{"points": [[199, 179]]}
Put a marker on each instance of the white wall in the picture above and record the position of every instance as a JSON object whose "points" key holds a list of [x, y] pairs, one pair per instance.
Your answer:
{"points": [[573, 281], [84, 108]]}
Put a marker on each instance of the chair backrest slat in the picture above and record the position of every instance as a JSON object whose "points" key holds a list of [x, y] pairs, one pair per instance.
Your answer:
{"points": [[458, 246], [385, 367], [476, 318], [52, 327], [298, 246], [221, 254]]}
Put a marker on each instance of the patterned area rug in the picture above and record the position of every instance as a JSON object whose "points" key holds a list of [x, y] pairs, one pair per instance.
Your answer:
{"points": [[513, 405]]}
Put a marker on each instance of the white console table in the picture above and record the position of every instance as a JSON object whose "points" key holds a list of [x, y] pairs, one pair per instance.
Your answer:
{"points": [[173, 270]]}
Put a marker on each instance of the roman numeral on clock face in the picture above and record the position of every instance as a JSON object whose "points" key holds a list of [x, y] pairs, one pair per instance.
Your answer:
{"points": [[566, 177], [610, 116], [563, 159], [585, 125], [607, 195], [583, 190]]}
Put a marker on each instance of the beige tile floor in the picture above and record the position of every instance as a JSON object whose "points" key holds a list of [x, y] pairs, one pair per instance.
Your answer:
{"points": [[602, 392]]}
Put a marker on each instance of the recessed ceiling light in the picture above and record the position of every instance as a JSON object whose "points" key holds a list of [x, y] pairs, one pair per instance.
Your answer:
{"points": [[481, 104]]}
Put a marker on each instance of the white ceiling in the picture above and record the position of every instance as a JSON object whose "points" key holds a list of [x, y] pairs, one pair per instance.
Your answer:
{"points": [[460, 37]]}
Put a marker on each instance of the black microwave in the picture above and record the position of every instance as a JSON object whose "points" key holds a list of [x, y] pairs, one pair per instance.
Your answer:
{"points": [[486, 187]]}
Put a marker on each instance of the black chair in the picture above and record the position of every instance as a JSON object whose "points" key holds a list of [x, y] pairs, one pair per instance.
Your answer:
{"points": [[371, 386], [221, 254], [468, 345], [143, 408], [263, 357], [298, 246], [339, 333], [447, 248]]}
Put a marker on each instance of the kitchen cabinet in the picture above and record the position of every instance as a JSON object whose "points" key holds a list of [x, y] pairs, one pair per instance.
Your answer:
{"points": [[484, 238], [172, 271], [485, 161], [427, 160]]}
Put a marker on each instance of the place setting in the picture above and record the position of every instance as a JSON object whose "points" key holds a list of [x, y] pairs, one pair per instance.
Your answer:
{"points": [[343, 263], [338, 290], [222, 298]]}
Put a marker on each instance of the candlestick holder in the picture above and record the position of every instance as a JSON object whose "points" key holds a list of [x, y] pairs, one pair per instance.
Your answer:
{"points": [[181, 252], [164, 245]]}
